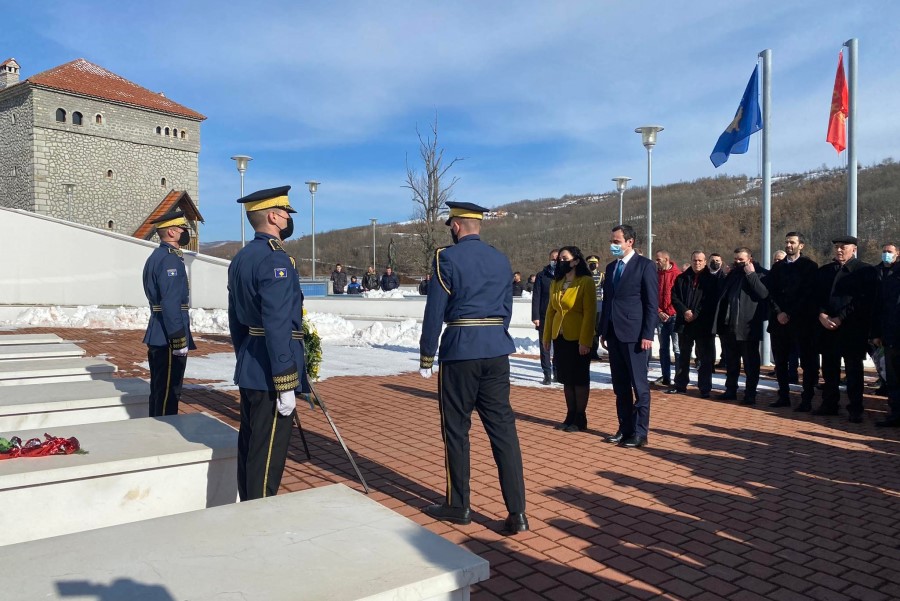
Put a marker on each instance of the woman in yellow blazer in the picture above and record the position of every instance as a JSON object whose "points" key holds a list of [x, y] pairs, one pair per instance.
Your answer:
{"points": [[569, 324]]}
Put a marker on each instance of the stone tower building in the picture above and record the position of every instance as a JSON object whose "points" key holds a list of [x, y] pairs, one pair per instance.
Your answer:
{"points": [[80, 143]]}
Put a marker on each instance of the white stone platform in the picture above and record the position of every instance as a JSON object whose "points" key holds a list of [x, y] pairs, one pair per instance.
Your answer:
{"points": [[19, 352], [325, 543], [41, 371], [133, 470], [68, 403], [29, 339]]}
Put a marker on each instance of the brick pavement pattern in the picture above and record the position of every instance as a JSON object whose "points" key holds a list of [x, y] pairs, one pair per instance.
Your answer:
{"points": [[727, 502]]}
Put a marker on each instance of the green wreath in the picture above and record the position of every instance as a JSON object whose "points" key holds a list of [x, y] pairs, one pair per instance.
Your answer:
{"points": [[313, 343]]}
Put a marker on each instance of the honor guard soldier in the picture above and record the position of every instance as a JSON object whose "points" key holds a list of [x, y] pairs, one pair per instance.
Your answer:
{"points": [[265, 313], [470, 292], [168, 335]]}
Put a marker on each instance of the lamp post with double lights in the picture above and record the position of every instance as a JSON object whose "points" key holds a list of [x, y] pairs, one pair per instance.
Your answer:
{"points": [[70, 189], [621, 184], [241, 161], [374, 221], [313, 186], [648, 138]]}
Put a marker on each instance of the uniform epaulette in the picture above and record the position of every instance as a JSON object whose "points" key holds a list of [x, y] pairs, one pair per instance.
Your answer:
{"points": [[276, 244], [293, 262], [177, 251], [437, 268]]}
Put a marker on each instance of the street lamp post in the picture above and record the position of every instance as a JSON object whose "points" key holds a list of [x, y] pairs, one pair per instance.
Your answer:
{"points": [[374, 221], [313, 186], [70, 188], [241, 160], [648, 138], [621, 184]]}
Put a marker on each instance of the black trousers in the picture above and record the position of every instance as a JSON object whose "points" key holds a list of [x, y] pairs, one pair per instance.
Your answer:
{"points": [[546, 357], [262, 444], [853, 355], [737, 351], [892, 379], [784, 341], [481, 385], [166, 377], [628, 368], [706, 355]]}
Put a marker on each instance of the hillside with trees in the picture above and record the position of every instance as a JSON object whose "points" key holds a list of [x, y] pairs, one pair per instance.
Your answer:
{"points": [[712, 214]]}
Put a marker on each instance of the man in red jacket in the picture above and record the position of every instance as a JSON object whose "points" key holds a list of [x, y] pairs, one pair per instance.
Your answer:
{"points": [[666, 272]]}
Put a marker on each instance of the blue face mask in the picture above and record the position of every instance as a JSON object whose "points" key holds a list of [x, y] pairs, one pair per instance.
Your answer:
{"points": [[887, 258], [617, 250]]}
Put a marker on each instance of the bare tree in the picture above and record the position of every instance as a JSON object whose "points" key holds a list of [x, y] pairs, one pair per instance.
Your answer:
{"points": [[430, 192]]}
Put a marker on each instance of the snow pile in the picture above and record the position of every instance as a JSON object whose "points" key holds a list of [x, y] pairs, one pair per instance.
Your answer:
{"points": [[395, 293]]}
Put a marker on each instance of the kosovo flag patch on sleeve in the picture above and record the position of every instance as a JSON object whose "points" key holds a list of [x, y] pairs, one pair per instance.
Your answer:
{"points": [[171, 272], [280, 272]]}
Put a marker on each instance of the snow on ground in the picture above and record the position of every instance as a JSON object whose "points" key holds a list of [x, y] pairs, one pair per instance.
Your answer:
{"points": [[376, 350]]}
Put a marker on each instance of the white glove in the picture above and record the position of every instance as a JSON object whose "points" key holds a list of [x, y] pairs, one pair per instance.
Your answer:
{"points": [[287, 402], [180, 352], [426, 373]]}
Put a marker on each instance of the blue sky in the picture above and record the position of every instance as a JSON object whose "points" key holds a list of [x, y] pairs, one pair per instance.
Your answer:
{"points": [[540, 98]]}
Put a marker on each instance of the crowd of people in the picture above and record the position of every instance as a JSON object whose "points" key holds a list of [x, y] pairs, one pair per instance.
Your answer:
{"points": [[817, 317], [370, 281]]}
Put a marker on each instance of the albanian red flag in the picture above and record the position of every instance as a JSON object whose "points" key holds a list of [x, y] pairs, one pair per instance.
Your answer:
{"points": [[837, 133]]}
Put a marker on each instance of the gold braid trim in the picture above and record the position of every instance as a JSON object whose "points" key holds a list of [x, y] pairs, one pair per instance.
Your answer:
{"points": [[437, 269], [286, 382], [425, 362], [178, 343]]}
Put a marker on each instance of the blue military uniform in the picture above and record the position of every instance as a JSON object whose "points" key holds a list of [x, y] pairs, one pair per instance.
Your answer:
{"points": [[265, 318], [168, 292], [470, 293]]}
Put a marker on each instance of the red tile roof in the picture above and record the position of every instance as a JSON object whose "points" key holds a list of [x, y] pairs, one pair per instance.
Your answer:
{"points": [[86, 78], [9, 60], [174, 199]]}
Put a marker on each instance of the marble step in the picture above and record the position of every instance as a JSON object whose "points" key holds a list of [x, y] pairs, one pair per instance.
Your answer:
{"points": [[6, 339], [42, 371], [67, 403], [323, 543], [133, 470], [19, 352]]}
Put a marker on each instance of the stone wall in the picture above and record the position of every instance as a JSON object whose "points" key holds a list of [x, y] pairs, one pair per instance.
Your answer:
{"points": [[16, 180], [117, 164]]}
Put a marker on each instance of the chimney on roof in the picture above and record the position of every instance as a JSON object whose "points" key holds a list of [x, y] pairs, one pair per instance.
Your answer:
{"points": [[9, 73]]}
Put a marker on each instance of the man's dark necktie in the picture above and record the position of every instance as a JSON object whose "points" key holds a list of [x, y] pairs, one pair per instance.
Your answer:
{"points": [[620, 267]]}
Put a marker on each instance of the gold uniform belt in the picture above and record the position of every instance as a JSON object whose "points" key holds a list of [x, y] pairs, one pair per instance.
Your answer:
{"points": [[158, 308], [475, 321], [295, 335]]}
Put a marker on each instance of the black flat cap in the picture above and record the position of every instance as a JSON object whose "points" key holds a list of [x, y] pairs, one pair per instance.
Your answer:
{"points": [[845, 240]]}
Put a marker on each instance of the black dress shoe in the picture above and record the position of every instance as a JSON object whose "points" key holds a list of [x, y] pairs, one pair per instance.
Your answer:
{"points": [[748, 400], [855, 417], [826, 411], [634, 442], [676, 390], [780, 403], [572, 428], [704, 395], [891, 422], [803, 407], [546, 381], [445, 513], [727, 396], [615, 438], [515, 523]]}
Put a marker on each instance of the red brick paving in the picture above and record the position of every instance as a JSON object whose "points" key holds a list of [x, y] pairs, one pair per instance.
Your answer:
{"points": [[727, 502]]}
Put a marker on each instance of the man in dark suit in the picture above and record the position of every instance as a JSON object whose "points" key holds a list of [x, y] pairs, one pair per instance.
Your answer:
{"points": [[627, 323]]}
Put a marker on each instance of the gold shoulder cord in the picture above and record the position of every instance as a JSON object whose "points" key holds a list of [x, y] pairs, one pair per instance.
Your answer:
{"points": [[276, 244], [437, 269]]}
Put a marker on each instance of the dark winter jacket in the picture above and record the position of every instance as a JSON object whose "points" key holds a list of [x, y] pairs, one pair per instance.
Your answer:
{"points": [[517, 288], [698, 293], [886, 314], [370, 282], [792, 288], [339, 281], [847, 292], [540, 295], [389, 282], [742, 305]]}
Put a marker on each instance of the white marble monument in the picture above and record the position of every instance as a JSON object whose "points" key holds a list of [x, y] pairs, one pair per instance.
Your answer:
{"points": [[42, 371]]}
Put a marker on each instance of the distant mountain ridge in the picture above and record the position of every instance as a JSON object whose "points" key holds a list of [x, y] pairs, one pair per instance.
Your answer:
{"points": [[714, 214]]}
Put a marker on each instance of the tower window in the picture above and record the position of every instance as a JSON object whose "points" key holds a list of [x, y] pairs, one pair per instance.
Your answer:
{"points": [[167, 131], [77, 118], [61, 115], [162, 182], [12, 119], [109, 173], [175, 132], [158, 130], [15, 171], [183, 135], [110, 224], [98, 119]]}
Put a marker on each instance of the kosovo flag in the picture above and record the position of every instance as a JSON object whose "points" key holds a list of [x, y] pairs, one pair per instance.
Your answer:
{"points": [[747, 121]]}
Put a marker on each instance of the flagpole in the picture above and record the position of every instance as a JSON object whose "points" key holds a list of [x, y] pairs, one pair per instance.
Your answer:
{"points": [[852, 50], [766, 189]]}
